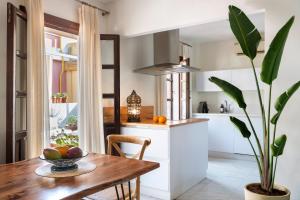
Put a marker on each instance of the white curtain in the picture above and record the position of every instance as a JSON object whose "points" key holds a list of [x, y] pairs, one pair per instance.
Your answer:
{"points": [[35, 77], [90, 100]]}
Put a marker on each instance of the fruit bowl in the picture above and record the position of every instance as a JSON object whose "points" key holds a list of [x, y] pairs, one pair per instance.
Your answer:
{"points": [[64, 164]]}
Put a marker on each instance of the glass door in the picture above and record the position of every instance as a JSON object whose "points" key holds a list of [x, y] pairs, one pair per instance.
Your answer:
{"points": [[110, 57]]}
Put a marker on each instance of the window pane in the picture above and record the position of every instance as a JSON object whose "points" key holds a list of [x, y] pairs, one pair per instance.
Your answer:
{"points": [[21, 35], [107, 52], [61, 62], [21, 74], [21, 114], [107, 81]]}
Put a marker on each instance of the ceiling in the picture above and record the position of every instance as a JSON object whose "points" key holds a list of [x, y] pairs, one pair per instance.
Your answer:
{"points": [[216, 31]]}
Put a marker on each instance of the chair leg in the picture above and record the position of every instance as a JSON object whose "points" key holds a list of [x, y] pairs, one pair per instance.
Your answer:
{"points": [[123, 193], [138, 189], [129, 190], [118, 197]]}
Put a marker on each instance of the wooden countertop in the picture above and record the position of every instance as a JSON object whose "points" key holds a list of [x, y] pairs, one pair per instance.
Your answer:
{"points": [[168, 124]]}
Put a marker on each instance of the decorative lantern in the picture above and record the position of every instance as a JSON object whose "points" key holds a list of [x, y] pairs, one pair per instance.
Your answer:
{"points": [[134, 107]]}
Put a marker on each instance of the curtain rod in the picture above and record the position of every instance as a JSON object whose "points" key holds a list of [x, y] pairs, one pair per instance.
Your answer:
{"points": [[104, 12]]}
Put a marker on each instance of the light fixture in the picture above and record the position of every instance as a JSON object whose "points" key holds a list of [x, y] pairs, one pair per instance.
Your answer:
{"points": [[134, 107]]}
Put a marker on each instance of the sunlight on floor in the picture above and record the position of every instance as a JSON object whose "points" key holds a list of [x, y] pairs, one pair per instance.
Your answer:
{"points": [[225, 180]]}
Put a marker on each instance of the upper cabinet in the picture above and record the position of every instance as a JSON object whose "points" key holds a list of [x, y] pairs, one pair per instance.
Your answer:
{"points": [[204, 85], [241, 78]]}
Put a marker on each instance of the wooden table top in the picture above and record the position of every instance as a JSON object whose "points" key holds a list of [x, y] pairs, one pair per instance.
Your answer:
{"points": [[19, 181]]}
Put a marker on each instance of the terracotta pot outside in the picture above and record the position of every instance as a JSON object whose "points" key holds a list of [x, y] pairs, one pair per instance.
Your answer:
{"points": [[249, 195], [63, 99]]}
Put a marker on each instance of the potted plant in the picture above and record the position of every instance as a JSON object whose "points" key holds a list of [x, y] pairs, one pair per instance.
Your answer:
{"points": [[54, 98], [61, 97], [72, 123], [63, 139], [271, 147]]}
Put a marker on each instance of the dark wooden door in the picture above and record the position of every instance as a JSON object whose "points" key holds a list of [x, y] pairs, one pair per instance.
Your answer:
{"points": [[110, 47], [16, 84]]}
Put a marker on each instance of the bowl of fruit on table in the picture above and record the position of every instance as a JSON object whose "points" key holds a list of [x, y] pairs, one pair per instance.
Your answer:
{"points": [[63, 158]]}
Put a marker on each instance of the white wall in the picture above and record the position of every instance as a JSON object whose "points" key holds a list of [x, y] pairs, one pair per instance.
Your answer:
{"points": [[218, 56], [67, 9], [135, 17], [221, 55], [135, 53]]}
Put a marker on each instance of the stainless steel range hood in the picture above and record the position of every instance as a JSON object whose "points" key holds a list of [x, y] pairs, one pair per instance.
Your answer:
{"points": [[166, 55]]}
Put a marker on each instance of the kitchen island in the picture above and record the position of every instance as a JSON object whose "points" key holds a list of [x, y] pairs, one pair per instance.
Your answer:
{"points": [[181, 149]]}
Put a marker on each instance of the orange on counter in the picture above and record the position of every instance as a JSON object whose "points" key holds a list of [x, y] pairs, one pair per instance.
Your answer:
{"points": [[155, 119], [63, 150], [162, 119]]}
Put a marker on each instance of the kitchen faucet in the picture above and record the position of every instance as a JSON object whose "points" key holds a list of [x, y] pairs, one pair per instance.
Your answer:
{"points": [[227, 107]]}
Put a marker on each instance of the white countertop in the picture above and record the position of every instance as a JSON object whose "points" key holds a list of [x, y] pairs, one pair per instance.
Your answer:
{"points": [[225, 114]]}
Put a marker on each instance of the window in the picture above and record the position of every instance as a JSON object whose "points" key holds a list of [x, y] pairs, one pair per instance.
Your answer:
{"points": [[61, 61], [178, 89]]}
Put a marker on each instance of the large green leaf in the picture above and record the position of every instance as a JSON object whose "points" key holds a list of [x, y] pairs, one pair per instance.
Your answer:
{"points": [[232, 91], [278, 146], [271, 62], [244, 31], [282, 101], [241, 126]]}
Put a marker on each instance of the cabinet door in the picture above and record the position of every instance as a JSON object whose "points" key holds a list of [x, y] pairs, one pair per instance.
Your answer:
{"points": [[220, 134], [204, 85], [241, 145], [244, 78]]}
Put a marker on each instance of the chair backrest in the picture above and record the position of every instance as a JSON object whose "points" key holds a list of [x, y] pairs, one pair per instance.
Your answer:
{"points": [[114, 140]]}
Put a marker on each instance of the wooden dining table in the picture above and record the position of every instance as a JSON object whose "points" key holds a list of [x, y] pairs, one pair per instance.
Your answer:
{"points": [[19, 181]]}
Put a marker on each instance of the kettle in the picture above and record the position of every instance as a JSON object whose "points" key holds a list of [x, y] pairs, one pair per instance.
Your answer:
{"points": [[203, 108]]}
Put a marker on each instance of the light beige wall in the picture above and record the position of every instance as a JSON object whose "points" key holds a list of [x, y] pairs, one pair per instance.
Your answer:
{"points": [[135, 17], [135, 53], [221, 55]]}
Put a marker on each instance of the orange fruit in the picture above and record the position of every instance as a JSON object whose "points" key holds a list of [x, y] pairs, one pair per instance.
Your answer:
{"points": [[63, 150], [162, 119], [155, 119]]}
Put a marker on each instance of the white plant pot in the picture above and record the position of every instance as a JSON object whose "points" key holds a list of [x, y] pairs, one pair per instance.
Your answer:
{"points": [[249, 195]]}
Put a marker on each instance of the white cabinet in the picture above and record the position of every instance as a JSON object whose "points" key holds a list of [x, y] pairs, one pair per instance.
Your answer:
{"points": [[224, 137], [203, 84], [242, 78], [241, 145], [220, 134], [182, 154]]}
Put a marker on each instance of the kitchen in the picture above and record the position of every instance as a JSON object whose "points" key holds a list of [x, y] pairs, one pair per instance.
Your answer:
{"points": [[211, 48]]}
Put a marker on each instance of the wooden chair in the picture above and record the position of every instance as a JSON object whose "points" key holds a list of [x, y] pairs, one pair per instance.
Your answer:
{"points": [[113, 143]]}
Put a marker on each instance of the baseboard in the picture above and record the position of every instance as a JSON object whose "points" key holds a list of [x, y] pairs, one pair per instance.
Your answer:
{"points": [[216, 154], [159, 194]]}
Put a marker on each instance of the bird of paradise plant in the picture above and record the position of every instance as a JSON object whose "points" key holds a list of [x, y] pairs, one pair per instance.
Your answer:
{"points": [[271, 147]]}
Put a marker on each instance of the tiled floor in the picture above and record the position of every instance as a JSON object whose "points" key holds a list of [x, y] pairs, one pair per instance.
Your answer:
{"points": [[225, 180]]}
